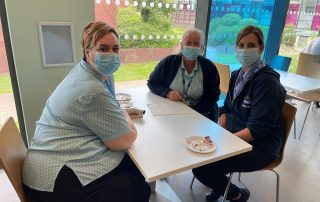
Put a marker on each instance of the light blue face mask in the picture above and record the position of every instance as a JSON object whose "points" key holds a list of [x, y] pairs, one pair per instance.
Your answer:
{"points": [[107, 63], [191, 53], [248, 56]]}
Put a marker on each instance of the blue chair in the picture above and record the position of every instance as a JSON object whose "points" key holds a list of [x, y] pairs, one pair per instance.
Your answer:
{"points": [[280, 62], [224, 73]]}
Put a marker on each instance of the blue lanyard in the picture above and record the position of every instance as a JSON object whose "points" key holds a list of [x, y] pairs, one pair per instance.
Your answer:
{"points": [[186, 89]]}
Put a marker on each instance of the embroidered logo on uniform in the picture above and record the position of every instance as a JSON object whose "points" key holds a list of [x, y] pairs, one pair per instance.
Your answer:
{"points": [[246, 103]]}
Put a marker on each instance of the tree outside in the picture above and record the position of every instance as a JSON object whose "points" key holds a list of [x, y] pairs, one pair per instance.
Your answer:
{"points": [[223, 33], [147, 25]]}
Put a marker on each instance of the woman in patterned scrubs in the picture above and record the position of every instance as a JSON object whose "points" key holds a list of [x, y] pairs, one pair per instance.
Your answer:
{"points": [[78, 152]]}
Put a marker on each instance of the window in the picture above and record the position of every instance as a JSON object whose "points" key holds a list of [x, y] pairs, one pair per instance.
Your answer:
{"points": [[227, 18], [302, 25], [7, 106], [149, 31]]}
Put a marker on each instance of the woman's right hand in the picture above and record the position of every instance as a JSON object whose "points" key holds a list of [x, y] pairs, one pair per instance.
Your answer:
{"points": [[223, 121], [174, 95]]}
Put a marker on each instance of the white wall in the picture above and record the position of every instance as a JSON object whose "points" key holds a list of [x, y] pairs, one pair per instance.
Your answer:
{"points": [[33, 79]]}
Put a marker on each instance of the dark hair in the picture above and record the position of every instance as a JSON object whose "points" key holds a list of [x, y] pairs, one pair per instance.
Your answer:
{"points": [[251, 30], [93, 32]]}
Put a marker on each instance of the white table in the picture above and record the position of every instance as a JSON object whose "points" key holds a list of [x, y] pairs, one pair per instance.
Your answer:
{"points": [[159, 150], [309, 88], [298, 83]]}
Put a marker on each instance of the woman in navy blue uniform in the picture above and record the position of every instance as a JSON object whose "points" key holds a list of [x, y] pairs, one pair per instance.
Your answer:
{"points": [[251, 111], [188, 77]]}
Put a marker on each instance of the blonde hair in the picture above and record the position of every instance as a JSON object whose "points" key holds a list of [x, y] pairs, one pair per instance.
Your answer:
{"points": [[93, 32], [186, 33]]}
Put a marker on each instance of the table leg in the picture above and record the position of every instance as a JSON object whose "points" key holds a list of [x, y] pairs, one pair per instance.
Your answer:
{"points": [[162, 188], [153, 187]]}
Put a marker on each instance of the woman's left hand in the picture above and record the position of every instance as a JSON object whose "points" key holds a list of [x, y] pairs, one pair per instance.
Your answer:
{"points": [[174, 95]]}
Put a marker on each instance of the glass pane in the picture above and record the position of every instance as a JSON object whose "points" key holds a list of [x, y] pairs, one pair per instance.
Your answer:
{"points": [[227, 18], [7, 104], [301, 27], [149, 31]]}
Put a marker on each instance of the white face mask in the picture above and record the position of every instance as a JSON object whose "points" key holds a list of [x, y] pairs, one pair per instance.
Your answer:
{"points": [[248, 56]]}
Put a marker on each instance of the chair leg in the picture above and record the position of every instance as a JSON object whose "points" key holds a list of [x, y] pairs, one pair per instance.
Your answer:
{"points": [[239, 180], [314, 105], [294, 128], [278, 183], [277, 191], [227, 188], [192, 182], [305, 118]]}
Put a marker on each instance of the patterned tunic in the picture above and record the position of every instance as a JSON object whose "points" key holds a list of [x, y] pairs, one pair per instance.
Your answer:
{"points": [[79, 117]]}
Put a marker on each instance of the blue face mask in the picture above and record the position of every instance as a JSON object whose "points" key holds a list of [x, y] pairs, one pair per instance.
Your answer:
{"points": [[107, 63], [191, 53], [248, 56]]}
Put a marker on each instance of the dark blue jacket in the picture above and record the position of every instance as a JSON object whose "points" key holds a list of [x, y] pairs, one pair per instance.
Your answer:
{"points": [[164, 73], [258, 108]]}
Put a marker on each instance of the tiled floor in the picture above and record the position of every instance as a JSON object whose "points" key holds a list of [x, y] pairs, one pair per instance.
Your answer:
{"points": [[7, 107], [299, 172]]}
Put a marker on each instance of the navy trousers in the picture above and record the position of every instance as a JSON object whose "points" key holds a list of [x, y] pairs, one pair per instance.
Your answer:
{"points": [[214, 175], [125, 183]]}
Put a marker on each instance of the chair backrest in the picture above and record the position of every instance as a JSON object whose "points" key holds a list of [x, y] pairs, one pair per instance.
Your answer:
{"points": [[287, 117], [49, 91], [309, 65], [12, 154], [280, 62], [224, 73]]}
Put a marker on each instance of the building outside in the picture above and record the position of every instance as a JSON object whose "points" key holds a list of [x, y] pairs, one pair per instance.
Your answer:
{"points": [[255, 9], [304, 17], [3, 56]]}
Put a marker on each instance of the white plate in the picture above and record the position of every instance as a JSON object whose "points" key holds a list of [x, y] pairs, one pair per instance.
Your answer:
{"points": [[123, 97], [199, 144]]}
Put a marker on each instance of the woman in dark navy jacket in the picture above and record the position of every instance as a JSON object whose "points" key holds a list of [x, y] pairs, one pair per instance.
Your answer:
{"points": [[252, 112], [188, 77]]}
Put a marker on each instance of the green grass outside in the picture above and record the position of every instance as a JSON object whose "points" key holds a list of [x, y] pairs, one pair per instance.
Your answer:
{"points": [[5, 84], [127, 72], [294, 55], [134, 71], [141, 71]]}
